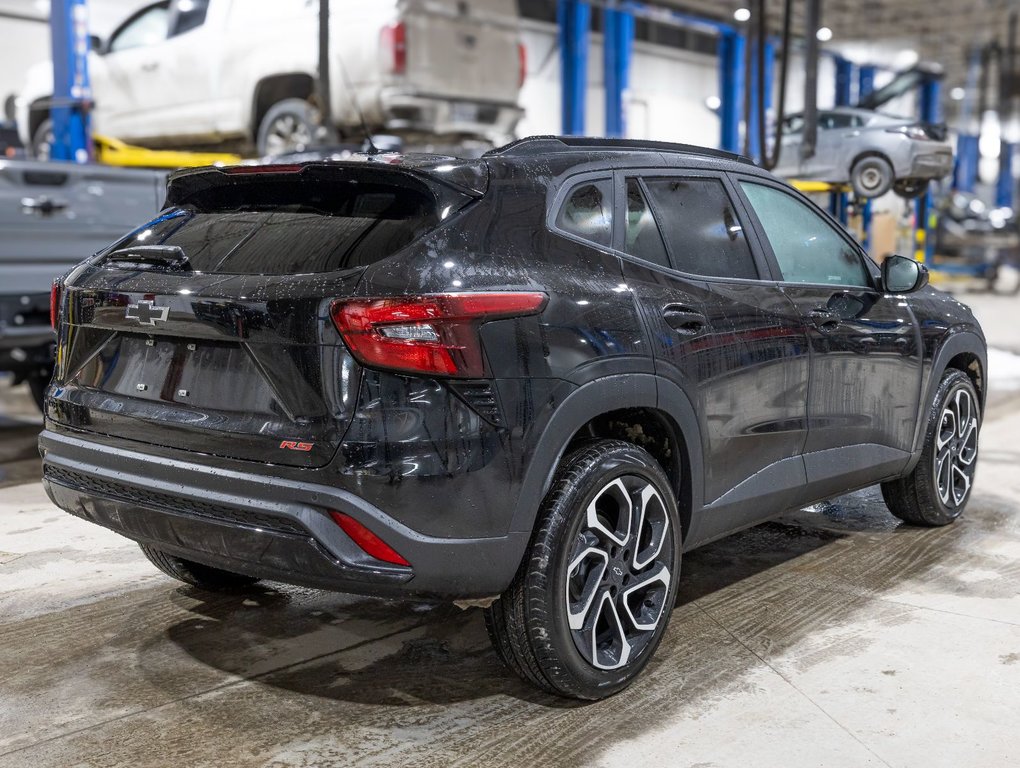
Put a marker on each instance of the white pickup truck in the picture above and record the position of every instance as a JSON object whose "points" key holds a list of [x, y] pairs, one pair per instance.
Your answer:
{"points": [[209, 72]]}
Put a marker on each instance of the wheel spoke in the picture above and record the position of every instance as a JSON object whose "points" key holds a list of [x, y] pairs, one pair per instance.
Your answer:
{"points": [[584, 574], [960, 484], [943, 476], [651, 529], [610, 648], [611, 511], [947, 429], [643, 602], [964, 407], [968, 444]]}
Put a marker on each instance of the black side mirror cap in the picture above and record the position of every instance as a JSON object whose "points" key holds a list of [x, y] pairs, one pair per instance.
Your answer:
{"points": [[96, 44], [903, 275]]}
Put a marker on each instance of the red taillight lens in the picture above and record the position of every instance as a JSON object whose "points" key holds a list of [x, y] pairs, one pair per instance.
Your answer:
{"points": [[367, 540], [56, 291], [393, 44], [522, 64], [435, 334]]}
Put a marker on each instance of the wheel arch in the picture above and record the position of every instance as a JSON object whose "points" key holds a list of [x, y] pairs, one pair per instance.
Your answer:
{"points": [[871, 152], [275, 88], [640, 408]]}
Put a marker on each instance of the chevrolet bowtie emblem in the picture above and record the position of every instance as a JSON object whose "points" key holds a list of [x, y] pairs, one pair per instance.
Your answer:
{"points": [[146, 314]]}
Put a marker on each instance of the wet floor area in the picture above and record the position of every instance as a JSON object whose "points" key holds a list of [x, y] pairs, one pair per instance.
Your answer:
{"points": [[832, 636]]}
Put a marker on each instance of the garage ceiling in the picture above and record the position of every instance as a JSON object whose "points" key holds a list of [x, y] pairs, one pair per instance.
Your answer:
{"points": [[939, 30]]}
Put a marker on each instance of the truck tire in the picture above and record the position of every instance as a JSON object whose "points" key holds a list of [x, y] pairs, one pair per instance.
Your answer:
{"points": [[593, 596], [872, 176], [288, 126], [197, 575], [42, 140]]}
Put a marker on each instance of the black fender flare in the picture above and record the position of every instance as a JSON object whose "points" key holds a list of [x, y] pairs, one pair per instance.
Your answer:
{"points": [[639, 390], [959, 342]]}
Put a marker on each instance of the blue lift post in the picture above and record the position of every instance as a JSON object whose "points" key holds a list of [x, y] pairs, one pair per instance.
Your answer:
{"points": [[1004, 184], [574, 18], [968, 153], [71, 90], [731, 88], [865, 85], [924, 240], [839, 202], [618, 46]]}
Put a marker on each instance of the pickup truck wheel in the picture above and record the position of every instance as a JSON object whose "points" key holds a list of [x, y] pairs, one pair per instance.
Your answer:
{"points": [[871, 177], [288, 126], [593, 597], [197, 575], [936, 491], [42, 140]]}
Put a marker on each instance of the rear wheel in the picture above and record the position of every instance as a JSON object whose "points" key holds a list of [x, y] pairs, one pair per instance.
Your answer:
{"points": [[871, 177], [937, 490], [592, 598], [197, 575], [288, 126], [42, 140]]}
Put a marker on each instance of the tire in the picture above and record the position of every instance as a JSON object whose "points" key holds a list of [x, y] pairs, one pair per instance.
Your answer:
{"points": [[592, 599], [197, 575], [910, 189], [871, 176], [42, 140], [37, 386], [288, 126], [936, 492]]}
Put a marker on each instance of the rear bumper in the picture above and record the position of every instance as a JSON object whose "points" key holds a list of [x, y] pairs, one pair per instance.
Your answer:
{"points": [[444, 116], [932, 165], [263, 525]]}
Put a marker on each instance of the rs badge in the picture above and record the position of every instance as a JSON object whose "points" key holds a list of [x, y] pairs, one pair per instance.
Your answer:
{"points": [[292, 445]]}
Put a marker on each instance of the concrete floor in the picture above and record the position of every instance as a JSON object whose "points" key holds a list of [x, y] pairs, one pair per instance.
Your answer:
{"points": [[831, 637]]}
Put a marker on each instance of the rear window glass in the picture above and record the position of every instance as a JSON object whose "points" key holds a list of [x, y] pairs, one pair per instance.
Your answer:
{"points": [[291, 227], [588, 212]]}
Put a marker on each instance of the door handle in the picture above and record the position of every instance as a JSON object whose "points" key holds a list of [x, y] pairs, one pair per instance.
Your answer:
{"points": [[824, 320], [684, 320], [150, 66], [44, 205]]}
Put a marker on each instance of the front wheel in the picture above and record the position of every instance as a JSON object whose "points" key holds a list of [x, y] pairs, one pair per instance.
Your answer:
{"points": [[936, 491], [871, 177], [592, 598]]}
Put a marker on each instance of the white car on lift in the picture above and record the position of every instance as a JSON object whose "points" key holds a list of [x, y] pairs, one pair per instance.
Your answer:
{"points": [[209, 72]]}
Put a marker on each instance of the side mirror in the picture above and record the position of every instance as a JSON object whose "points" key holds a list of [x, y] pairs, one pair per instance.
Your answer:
{"points": [[96, 44], [903, 275]]}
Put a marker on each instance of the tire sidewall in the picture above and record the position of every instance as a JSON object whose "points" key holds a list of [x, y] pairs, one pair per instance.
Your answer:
{"points": [[879, 164], [950, 385], [570, 514], [299, 108]]}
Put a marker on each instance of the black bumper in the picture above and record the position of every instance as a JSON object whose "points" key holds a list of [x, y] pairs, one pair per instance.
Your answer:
{"points": [[264, 526]]}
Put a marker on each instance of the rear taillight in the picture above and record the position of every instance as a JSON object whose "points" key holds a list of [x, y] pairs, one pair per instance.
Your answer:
{"points": [[368, 541], [522, 64], [393, 45], [436, 334], [56, 291]]}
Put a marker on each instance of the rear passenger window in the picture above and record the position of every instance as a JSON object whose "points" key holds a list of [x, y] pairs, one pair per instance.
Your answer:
{"points": [[588, 212], [643, 237], [701, 228]]}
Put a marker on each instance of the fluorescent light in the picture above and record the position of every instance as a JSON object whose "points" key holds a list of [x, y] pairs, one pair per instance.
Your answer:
{"points": [[742, 14], [713, 103], [824, 34], [957, 93]]}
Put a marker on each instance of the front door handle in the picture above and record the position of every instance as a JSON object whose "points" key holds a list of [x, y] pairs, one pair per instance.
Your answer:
{"points": [[824, 320], [150, 66], [684, 320]]}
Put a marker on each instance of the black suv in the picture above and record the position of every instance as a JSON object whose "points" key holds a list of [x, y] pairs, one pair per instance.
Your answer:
{"points": [[529, 381]]}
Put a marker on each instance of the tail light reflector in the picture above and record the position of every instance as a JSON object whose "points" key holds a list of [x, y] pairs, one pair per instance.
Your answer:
{"points": [[367, 540], [522, 64], [56, 292], [393, 44], [436, 334]]}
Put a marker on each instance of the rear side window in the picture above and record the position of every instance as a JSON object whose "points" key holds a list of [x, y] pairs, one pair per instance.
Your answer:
{"points": [[700, 227], [587, 212], [292, 227], [643, 237]]}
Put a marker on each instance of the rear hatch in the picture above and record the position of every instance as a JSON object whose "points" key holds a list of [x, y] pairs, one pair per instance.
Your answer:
{"points": [[463, 50], [208, 329]]}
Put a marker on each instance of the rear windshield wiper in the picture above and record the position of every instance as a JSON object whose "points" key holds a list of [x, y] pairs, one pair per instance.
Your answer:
{"points": [[164, 257]]}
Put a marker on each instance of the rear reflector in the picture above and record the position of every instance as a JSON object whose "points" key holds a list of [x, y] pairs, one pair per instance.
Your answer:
{"points": [[56, 291], [435, 334], [367, 540], [522, 64]]}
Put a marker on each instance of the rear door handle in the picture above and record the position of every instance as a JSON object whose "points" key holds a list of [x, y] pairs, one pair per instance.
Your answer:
{"points": [[684, 320], [150, 66], [42, 204], [824, 320]]}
